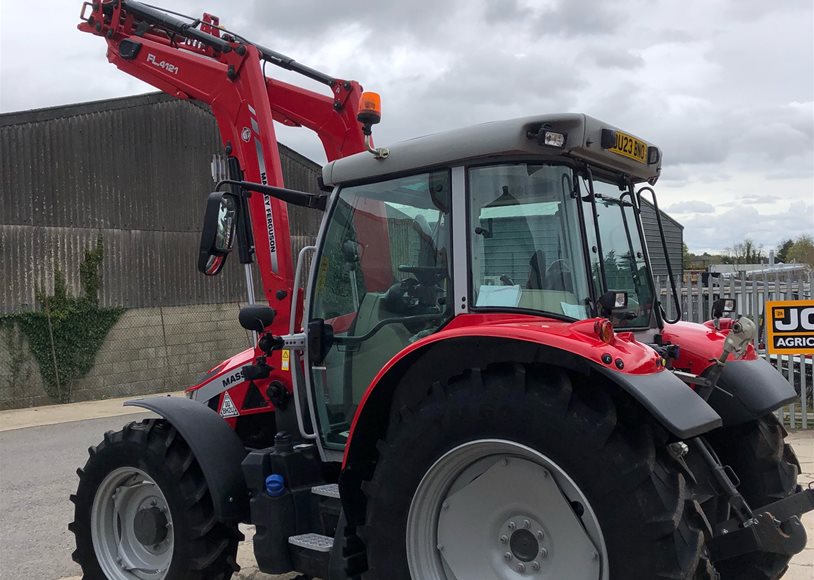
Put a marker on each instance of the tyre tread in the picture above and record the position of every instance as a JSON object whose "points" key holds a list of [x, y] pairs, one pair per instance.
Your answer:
{"points": [[213, 544]]}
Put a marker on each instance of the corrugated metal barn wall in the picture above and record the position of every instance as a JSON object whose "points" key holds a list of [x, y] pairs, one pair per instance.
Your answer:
{"points": [[673, 233], [135, 171]]}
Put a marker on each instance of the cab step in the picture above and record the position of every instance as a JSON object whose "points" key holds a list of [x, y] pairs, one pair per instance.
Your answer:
{"points": [[315, 542], [311, 554], [328, 490]]}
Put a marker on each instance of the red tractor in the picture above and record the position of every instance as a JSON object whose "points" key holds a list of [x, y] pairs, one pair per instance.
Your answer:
{"points": [[478, 379]]}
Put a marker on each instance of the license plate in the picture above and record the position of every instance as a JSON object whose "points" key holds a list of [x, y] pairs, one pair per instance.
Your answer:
{"points": [[630, 147]]}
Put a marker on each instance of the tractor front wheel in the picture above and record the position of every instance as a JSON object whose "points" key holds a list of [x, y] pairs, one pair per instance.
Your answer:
{"points": [[515, 472], [143, 511]]}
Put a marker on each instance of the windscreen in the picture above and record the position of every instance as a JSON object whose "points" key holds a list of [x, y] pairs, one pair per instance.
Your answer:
{"points": [[622, 261], [525, 246]]}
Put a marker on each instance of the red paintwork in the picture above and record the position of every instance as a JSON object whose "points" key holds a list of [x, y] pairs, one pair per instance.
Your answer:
{"points": [[239, 390], [244, 108], [700, 344], [576, 337]]}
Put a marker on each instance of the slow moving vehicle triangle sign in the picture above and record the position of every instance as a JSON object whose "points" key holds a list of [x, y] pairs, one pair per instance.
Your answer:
{"points": [[228, 409]]}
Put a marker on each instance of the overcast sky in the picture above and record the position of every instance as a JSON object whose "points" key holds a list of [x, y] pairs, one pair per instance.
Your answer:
{"points": [[724, 87]]}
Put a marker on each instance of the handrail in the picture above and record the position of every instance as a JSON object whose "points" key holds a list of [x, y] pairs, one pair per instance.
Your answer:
{"points": [[676, 301]]}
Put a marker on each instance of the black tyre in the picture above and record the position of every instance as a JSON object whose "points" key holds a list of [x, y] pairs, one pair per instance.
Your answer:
{"points": [[604, 457], [143, 511], [767, 468]]}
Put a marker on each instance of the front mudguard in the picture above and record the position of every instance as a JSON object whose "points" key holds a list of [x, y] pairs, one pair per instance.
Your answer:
{"points": [[749, 390], [216, 447]]}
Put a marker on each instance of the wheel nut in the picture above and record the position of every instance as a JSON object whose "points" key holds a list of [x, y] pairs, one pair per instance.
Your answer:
{"points": [[526, 524], [512, 525], [521, 567], [504, 539], [507, 556], [543, 553], [535, 566], [540, 535]]}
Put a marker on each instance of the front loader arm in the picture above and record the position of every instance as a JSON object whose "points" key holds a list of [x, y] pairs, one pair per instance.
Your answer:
{"points": [[226, 72]]}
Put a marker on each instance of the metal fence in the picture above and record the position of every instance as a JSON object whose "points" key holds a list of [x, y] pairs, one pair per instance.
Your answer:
{"points": [[752, 290]]}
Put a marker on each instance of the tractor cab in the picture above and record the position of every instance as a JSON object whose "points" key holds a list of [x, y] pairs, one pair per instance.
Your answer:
{"points": [[534, 217]]}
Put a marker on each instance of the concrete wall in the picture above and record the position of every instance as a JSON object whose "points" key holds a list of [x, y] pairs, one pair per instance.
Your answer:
{"points": [[149, 350]]}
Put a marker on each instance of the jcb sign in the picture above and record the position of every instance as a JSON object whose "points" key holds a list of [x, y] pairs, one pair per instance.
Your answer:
{"points": [[791, 327]]}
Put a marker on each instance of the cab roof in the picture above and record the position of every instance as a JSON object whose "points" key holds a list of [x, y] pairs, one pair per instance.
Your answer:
{"points": [[513, 137]]}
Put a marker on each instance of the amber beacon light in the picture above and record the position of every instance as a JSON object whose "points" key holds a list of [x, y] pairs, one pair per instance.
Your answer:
{"points": [[370, 113]]}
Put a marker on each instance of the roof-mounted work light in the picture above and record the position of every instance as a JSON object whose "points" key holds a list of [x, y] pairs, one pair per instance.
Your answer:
{"points": [[545, 136]]}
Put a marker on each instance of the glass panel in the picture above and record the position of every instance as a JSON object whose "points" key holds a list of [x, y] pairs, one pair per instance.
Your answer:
{"points": [[625, 266], [525, 237], [382, 279]]}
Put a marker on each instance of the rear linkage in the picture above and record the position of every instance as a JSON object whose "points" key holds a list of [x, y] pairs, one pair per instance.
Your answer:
{"points": [[777, 528]]}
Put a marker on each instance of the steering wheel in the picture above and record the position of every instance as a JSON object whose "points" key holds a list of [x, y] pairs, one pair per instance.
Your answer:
{"points": [[424, 274], [562, 264], [558, 275]]}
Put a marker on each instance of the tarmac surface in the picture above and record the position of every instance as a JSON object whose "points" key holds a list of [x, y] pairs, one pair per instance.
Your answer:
{"points": [[41, 448]]}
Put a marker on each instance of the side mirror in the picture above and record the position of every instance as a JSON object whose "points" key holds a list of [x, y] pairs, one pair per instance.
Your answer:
{"points": [[218, 233], [723, 306], [612, 300]]}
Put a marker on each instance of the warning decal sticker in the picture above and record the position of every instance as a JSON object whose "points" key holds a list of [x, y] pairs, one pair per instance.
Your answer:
{"points": [[286, 359], [227, 408]]}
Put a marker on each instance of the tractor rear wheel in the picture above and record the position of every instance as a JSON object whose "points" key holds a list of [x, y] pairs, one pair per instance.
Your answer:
{"points": [[767, 468], [143, 511], [513, 471]]}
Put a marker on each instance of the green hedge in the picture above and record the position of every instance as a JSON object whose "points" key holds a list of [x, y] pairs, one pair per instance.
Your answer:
{"points": [[67, 332]]}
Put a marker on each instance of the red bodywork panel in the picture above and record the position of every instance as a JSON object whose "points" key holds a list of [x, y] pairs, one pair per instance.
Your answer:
{"points": [[576, 337], [700, 344], [245, 103]]}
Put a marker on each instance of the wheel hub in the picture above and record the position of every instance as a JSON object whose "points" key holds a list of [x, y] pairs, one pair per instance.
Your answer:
{"points": [[524, 545], [131, 526], [498, 508], [526, 541], [150, 526]]}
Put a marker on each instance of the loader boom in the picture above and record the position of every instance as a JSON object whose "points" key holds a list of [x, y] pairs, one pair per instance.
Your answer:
{"points": [[199, 60]]}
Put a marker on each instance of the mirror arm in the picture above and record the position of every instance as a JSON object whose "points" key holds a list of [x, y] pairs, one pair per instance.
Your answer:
{"points": [[245, 239], [292, 196]]}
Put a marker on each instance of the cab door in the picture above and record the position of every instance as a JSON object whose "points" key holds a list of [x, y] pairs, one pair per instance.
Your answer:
{"points": [[379, 282]]}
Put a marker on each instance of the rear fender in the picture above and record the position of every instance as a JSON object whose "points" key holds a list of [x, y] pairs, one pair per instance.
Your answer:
{"points": [[216, 447], [753, 388], [671, 402]]}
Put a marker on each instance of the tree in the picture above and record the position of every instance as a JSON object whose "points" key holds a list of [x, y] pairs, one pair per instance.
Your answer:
{"points": [[802, 251], [746, 252], [686, 257], [783, 250]]}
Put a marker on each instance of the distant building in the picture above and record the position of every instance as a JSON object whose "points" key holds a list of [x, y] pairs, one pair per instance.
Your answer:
{"points": [[674, 236], [753, 270], [135, 171]]}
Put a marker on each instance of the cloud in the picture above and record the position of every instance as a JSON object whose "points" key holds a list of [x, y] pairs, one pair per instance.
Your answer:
{"points": [[623, 59], [691, 206], [725, 89], [743, 221]]}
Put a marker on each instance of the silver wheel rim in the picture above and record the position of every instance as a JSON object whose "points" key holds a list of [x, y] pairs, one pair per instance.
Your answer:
{"points": [[124, 493], [498, 509]]}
